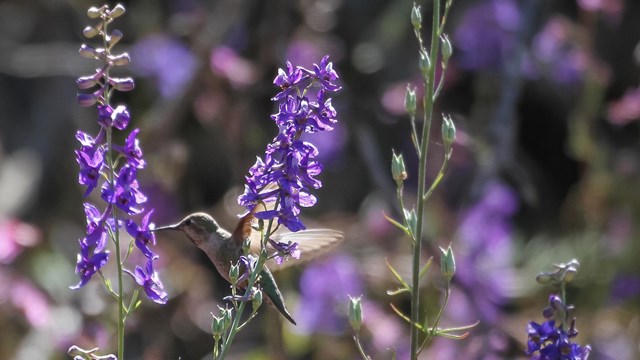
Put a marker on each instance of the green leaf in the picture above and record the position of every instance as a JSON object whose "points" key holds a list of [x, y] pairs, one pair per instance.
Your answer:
{"points": [[398, 291], [398, 225], [397, 276], [425, 268]]}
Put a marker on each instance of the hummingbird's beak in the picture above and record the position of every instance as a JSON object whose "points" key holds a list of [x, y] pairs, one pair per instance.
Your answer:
{"points": [[168, 227]]}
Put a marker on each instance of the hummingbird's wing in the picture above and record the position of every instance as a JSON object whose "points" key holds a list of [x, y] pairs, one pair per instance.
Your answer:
{"points": [[311, 243]]}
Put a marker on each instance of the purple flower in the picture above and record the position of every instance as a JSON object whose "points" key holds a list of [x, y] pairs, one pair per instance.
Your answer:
{"points": [[166, 60], [91, 161], [284, 250], [132, 151], [142, 235], [99, 163], [286, 80], [150, 282], [325, 74], [324, 289], [551, 340], [96, 232], [486, 34], [290, 164], [124, 194], [109, 117], [88, 264]]}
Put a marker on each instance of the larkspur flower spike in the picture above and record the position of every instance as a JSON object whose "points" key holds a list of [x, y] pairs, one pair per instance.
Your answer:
{"points": [[287, 172], [98, 165]]}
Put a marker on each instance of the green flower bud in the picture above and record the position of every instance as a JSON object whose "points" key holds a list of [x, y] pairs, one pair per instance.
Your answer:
{"points": [[424, 63], [447, 50], [447, 263], [412, 220], [416, 17], [398, 170], [234, 273], [448, 131], [569, 275], [543, 278], [410, 101], [355, 313], [257, 300], [217, 327]]}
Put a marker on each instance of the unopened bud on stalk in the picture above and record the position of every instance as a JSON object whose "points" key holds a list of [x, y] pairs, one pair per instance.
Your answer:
{"points": [[355, 313], [410, 101]]}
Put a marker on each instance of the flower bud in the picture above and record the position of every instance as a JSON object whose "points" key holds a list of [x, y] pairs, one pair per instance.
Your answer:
{"points": [[569, 275], [117, 11], [94, 12], [410, 101], [257, 300], [416, 17], [543, 278], [398, 170], [90, 32], [447, 263], [424, 63], [122, 84], [234, 273], [447, 50], [86, 82], [87, 99], [412, 220], [217, 327], [448, 131], [355, 313], [120, 60], [114, 37], [88, 52]]}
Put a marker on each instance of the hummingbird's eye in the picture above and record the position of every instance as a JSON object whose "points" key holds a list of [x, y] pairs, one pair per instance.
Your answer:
{"points": [[187, 222]]}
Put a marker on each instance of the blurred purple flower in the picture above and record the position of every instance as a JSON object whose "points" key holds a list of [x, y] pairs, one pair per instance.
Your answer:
{"points": [[612, 9], [625, 287], [227, 63], [167, 60], [14, 236], [289, 164], [484, 253], [486, 34], [324, 287], [626, 109], [555, 55]]}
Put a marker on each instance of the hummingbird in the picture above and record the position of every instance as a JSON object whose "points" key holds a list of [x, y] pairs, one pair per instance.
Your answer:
{"points": [[224, 248]]}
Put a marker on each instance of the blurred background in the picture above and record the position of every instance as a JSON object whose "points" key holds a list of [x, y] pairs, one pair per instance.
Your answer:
{"points": [[546, 165]]}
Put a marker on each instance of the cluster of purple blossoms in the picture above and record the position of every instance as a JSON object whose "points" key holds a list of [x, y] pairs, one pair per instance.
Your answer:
{"points": [[547, 341], [111, 167], [286, 174]]}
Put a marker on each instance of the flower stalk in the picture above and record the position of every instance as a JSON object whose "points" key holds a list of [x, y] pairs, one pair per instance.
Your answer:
{"points": [[114, 169]]}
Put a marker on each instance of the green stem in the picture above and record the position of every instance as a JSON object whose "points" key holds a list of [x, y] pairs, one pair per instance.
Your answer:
{"points": [[364, 355], [114, 212], [422, 176], [252, 280]]}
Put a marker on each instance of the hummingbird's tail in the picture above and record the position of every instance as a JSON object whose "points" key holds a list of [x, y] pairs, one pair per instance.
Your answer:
{"points": [[274, 296]]}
